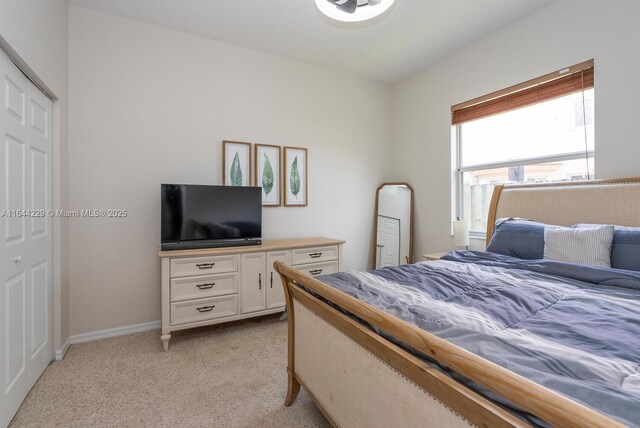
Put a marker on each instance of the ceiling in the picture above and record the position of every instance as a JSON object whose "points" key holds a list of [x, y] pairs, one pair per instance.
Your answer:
{"points": [[415, 34]]}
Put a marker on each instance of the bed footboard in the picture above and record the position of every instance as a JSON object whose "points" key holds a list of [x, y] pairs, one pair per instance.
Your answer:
{"points": [[354, 387], [359, 379]]}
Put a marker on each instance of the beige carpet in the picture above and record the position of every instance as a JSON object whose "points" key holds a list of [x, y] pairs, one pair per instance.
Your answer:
{"points": [[223, 376]]}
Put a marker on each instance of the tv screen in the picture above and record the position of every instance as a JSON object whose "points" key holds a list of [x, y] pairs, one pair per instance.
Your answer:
{"points": [[196, 216]]}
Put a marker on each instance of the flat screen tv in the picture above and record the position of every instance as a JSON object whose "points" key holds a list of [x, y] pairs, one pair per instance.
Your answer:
{"points": [[196, 216]]}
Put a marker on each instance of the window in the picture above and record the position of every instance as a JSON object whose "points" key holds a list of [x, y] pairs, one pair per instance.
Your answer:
{"points": [[538, 131]]}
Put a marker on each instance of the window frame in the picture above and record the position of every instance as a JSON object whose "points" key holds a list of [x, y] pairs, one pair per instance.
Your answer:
{"points": [[459, 170]]}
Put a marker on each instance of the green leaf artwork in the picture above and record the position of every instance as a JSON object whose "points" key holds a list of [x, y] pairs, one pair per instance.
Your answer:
{"points": [[267, 176], [294, 180], [236, 171]]}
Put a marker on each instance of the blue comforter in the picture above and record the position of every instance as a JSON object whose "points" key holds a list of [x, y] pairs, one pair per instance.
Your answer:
{"points": [[571, 328]]}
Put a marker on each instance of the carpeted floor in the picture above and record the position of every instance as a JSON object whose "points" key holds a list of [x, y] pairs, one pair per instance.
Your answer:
{"points": [[222, 376]]}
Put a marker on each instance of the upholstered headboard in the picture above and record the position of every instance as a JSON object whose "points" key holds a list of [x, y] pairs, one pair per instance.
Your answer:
{"points": [[615, 201]]}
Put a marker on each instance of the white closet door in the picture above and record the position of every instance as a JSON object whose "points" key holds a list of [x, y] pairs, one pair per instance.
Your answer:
{"points": [[25, 237]]}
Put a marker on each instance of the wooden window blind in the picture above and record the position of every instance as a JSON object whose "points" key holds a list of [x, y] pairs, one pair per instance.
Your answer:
{"points": [[553, 85]]}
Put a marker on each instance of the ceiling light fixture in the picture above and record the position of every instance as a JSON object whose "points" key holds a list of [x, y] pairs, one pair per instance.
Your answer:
{"points": [[353, 10]]}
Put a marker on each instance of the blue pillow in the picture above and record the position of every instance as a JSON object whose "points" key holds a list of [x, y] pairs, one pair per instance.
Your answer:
{"points": [[519, 238], [625, 251]]}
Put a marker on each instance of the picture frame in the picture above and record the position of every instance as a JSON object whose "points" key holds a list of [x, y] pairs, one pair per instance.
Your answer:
{"points": [[236, 163], [295, 177], [267, 172]]}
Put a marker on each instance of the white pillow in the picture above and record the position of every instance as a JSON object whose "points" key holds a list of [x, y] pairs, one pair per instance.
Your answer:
{"points": [[586, 246]]}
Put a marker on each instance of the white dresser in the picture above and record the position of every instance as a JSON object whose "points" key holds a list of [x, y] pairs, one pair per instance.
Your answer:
{"points": [[211, 286]]}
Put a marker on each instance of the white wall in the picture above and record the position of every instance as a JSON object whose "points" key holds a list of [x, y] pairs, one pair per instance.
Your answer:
{"points": [[560, 35], [37, 31], [34, 34], [151, 105]]}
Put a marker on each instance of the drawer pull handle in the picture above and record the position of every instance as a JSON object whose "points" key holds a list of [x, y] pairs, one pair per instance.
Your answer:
{"points": [[271, 284], [259, 281], [206, 308], [205, 265], [315, 255], [206, 286], [315, 272]]}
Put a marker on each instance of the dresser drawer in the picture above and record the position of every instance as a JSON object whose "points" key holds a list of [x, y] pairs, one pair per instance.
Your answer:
{"points": [[203, 265], [196, 287], [303, 256], [315, 269], [204, 309]]}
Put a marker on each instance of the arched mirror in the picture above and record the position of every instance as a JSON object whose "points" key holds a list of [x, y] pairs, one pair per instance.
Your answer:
{"points": [[394, 225]]}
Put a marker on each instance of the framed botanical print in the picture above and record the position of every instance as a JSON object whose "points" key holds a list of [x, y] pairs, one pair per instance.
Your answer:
{"points": [[295, 177], [236, 163], [267, 173]]}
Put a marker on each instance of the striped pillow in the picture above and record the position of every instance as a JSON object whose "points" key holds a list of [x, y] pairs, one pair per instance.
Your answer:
{"points": [[625, 250], [586, 246]]}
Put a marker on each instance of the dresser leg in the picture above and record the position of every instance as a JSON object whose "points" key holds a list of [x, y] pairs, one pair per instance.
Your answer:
{"points": [[165, 341]]}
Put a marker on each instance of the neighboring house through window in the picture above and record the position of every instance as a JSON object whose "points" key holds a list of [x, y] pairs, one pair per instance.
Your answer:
{"points": [[539, 131]]}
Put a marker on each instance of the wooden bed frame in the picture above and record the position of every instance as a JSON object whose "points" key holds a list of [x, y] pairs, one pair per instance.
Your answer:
{"points": [[359, 379]]}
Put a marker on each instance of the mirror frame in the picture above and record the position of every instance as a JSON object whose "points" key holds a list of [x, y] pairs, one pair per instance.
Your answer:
{"points": [[375, 218]]}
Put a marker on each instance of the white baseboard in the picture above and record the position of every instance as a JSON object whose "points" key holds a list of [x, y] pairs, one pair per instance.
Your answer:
{"points": [[60, 353], [104, 334]]}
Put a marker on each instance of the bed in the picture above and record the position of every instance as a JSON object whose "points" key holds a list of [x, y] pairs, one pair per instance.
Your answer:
{"points": [[366, 366]]}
